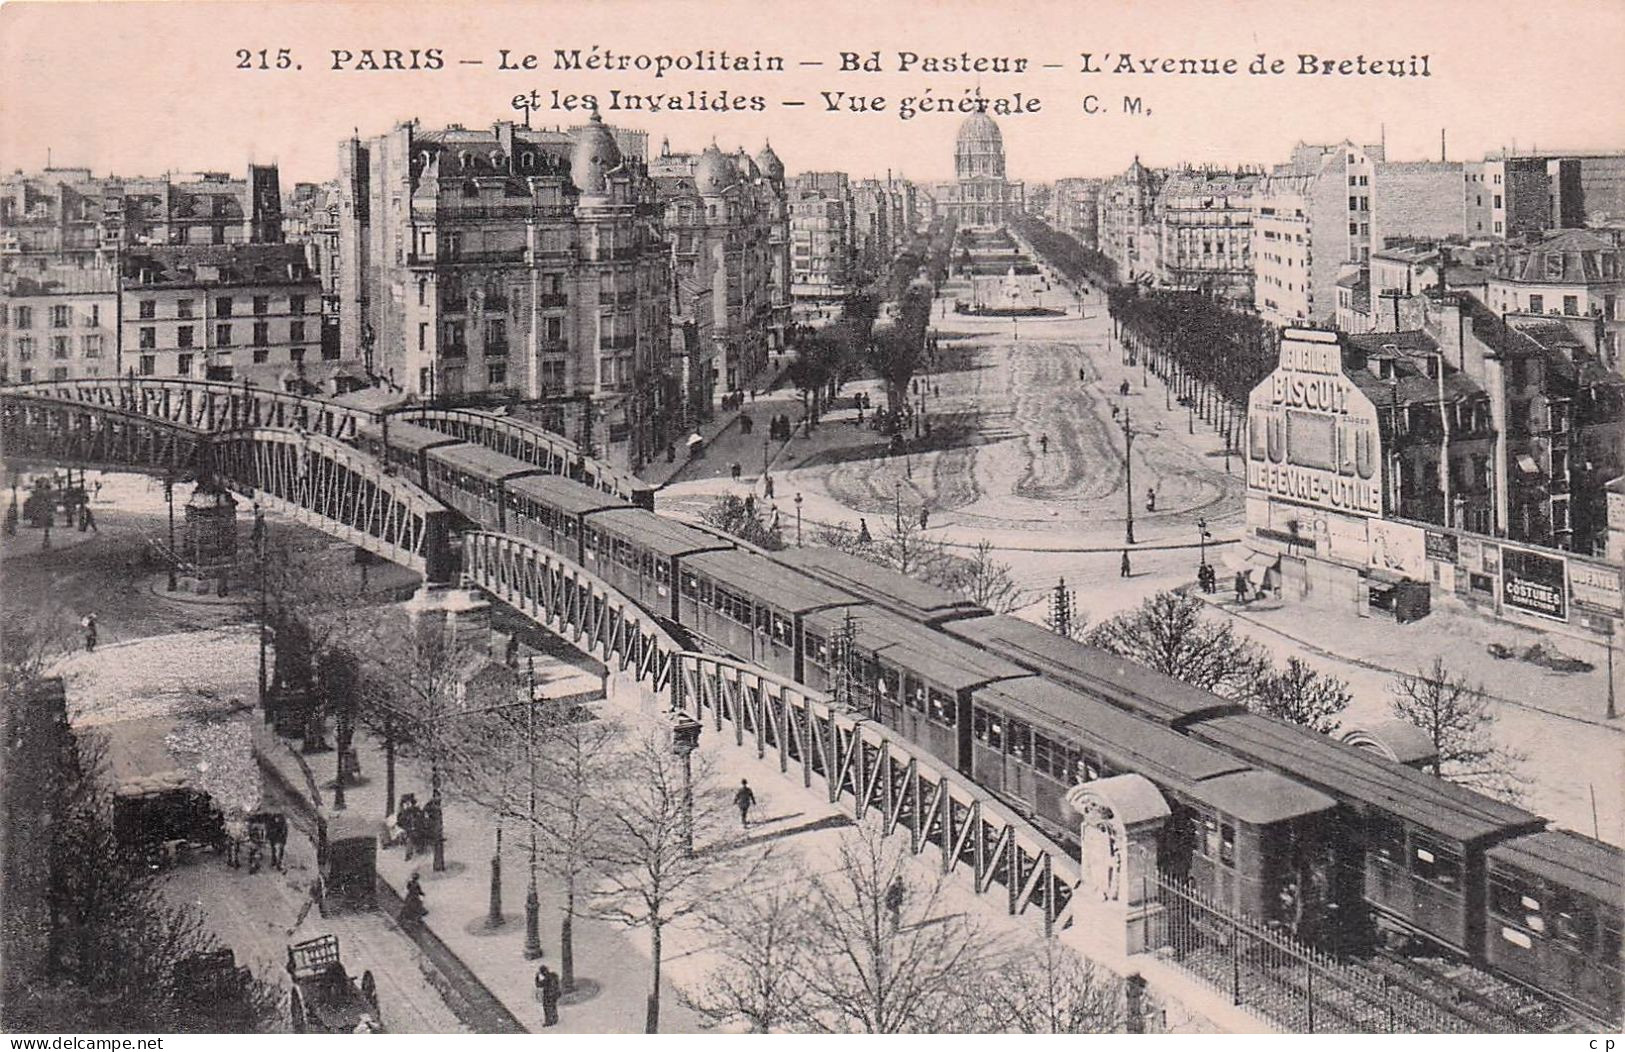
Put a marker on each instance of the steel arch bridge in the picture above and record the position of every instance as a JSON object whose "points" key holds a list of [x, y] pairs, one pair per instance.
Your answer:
{"points": [[311, 477]]}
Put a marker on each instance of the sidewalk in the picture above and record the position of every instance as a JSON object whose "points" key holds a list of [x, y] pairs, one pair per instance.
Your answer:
{"points": [[722, 426], [611, 971]]}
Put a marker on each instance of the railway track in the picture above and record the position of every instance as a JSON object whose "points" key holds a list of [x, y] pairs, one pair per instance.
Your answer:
{"points": [[1489, 1004]]}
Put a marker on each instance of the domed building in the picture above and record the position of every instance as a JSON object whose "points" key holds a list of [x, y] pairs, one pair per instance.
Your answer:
{"points": [[981, 196]]}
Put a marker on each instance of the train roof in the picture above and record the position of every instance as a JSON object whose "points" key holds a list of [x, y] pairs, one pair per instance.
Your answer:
{"points": [[567, 495], [1112, 678], [656, 532], [1159, 753], [939, 658], [763, 579], [1569, 859], [1263, 798], [481, 462], [1363, 776], [411, 437], [879, 584]]}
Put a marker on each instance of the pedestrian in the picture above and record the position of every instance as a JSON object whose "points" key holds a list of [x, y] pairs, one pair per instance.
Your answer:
{"points": [[864, 537], [1043, 444], [925, 515], [767, 483], [744, 799], [1151, 499], [1123, 389], [1083, 374], [88, 623], [745, 424], [547, 989], [1124, 570], [894, 902], [412, 909], [1241, 586], [89, 521]]}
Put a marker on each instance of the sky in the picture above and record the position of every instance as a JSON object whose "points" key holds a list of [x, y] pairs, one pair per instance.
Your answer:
{"points": [[144, 87]]}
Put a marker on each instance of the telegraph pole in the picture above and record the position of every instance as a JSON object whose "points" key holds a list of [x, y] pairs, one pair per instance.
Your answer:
{"points": [[1128, 471], [259, 558]]}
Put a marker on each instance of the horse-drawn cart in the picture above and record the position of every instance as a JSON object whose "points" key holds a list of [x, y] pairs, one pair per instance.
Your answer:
{"points": [[325, 999]]}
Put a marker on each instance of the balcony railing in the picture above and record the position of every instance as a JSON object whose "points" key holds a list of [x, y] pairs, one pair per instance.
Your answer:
{"points": [[618, 343], [446, 256], [552, 299]]}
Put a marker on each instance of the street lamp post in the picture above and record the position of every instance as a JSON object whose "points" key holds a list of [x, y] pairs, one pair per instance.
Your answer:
{"points": [[533, 904], [1202, 537], [798, 520], [898, 505], [169, 499], [259, 561], [685, 738], [1128, 472]]}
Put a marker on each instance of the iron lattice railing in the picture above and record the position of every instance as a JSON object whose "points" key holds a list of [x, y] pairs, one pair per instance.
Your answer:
{"points": [[1294, 985]]}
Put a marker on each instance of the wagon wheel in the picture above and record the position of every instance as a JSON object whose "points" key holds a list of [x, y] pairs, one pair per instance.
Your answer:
{"points": [[296, 1009]]}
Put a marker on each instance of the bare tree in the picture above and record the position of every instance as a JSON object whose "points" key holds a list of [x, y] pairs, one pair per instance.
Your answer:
{"points": [[576, 763], [1299, 694], [31, 639], [762, 940], [870, 974], [649, 875], [987, 582], [420, 668], [906, 548], [1455, 715], [742, 518], [1043, 987], [1173, 634]]}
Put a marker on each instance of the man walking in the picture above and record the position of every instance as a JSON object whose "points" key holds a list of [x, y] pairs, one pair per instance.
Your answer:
{"points": [[1241, 586], [744, 799], [88, 623], [547, 988], [1124, 570]]}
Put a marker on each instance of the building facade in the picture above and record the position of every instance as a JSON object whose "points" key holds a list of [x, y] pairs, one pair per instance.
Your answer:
{"points": [[507, 265], [228, 313], [1574, 273], [68, 217], [1074, 205], [59, 324], [1205, 222], [821, 258], [1127, 227], [727, 218]]}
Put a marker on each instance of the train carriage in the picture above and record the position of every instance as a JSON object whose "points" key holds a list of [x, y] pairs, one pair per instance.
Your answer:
{"points": [[1422, 838], [637, 552], [1554, 901], [1096, 672], [750, 606], [914, 680], [547, 510], [925, 603], [1242, 836], [473, 480], [403, 446]]}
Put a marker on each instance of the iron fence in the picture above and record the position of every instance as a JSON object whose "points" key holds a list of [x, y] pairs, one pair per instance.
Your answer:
{"points": [[1296, 986]]}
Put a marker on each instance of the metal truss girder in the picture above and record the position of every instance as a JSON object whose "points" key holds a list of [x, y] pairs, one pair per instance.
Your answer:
{"points": [[205, 405]]}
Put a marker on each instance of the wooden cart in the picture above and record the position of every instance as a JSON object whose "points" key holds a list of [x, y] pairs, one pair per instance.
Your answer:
{"points": [[325, 999]]}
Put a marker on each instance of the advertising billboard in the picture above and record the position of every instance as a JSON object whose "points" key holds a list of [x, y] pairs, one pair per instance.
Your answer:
{"points": [[1312, 435], [1534, 583]]}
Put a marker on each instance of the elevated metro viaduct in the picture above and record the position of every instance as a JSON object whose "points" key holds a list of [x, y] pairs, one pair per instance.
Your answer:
{"points": [[291, 454]]}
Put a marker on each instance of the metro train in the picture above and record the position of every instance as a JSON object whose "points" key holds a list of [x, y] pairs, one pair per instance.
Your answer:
{"points": [[1266, 817]]}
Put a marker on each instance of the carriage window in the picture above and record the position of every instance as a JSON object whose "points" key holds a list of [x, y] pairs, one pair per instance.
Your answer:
{"points": [[942, 707], [1043, 751], [1227, 844], [691, 585], [1387, 837], [1435, 864], [662, 574], [783, 629], [988, 727], [1513, 897], [914, 694], [1572, 922], [1021, 742], [817, 648], [1210, 837]]}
